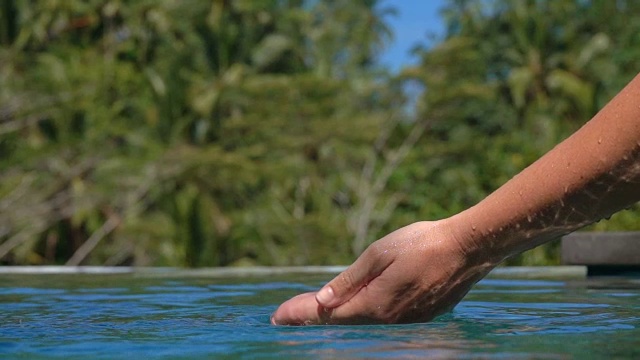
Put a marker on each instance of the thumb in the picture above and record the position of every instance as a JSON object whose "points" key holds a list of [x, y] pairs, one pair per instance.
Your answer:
{"points": [[344, 286]]}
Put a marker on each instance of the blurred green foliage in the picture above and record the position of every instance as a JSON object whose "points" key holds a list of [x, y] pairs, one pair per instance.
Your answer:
{"points": [[215, 133]]}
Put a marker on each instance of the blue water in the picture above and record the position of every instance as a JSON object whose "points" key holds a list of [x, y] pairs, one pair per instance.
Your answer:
{"points": [[121, 316]]}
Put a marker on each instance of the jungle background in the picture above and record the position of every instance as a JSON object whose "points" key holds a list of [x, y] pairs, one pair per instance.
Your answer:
{"points": [[236, 132]]}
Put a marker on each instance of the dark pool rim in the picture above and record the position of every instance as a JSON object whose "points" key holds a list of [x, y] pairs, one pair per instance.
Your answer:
{"points": [[564, 271]]}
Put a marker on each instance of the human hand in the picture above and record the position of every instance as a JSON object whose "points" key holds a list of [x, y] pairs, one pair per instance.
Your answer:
{"points": [[411, 275]]}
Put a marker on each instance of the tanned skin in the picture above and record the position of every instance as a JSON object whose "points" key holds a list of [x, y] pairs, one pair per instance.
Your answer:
{"points": [[423, 270]]}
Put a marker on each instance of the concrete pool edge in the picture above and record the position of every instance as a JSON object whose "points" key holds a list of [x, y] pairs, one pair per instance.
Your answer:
{"points": [[169, 271], [528, 272]]}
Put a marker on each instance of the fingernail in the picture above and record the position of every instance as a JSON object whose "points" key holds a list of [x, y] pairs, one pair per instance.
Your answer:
{"points": [[325, 296]]}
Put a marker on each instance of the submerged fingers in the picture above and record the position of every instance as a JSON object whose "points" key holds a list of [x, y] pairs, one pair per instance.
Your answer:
{"points": [[347, 284], [300, 310], [305, 310]]}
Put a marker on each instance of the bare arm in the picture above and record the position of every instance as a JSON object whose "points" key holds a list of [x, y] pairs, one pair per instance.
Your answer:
{"points": [[424, 269], [587, 177]]}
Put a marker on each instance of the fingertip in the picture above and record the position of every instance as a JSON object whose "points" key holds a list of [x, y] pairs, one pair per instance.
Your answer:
{"points": [[299, 310], [326, 296]]}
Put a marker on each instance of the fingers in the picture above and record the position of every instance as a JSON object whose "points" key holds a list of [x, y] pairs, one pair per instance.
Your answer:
{"points": [[304, 310], [344, 286], [300, 310], [318, 308]]}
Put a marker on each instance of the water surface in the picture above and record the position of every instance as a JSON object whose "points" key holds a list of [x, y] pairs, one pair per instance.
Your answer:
{"points": [[129, 315]]}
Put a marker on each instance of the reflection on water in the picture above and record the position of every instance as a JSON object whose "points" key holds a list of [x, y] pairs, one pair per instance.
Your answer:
{"points": [[107, 316]]}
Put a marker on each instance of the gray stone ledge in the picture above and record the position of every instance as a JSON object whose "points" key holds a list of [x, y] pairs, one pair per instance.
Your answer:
{"points": [[601, 249], [500, 272], [170, 271]]}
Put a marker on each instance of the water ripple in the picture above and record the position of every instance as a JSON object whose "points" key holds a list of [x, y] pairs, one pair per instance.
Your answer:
{"points": [[229, 318]]}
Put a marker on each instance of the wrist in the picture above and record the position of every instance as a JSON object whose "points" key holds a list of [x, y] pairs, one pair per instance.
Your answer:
{"points": [[494, 231], [478, 241]]}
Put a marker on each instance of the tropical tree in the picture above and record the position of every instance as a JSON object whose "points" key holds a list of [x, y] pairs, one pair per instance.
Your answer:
{"points": [[183, 133], [509, 80], [207, 133]]}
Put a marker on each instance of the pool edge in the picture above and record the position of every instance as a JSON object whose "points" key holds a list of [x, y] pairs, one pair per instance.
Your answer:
{"points": [[564, 271]]}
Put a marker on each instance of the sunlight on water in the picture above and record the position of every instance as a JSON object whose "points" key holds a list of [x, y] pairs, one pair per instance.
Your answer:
{"points": [[107, 316]]}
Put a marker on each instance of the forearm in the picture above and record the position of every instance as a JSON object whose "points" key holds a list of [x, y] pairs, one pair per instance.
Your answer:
{"points": [[587, 177]]}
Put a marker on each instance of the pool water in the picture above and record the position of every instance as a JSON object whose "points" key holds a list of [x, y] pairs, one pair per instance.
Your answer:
{"points": [[196, 316]]}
